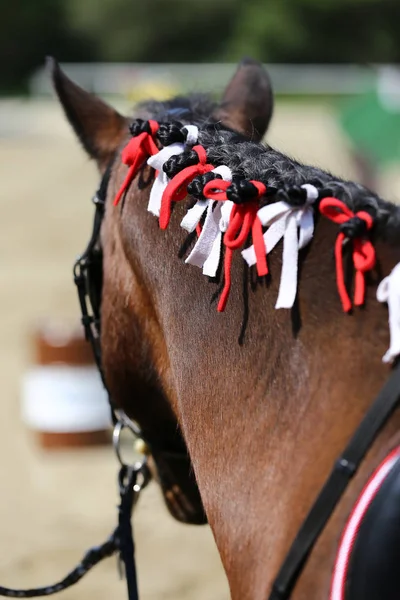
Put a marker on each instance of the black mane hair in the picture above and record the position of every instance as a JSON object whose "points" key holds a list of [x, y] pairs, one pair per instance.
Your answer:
{"points": [[259, 161]]}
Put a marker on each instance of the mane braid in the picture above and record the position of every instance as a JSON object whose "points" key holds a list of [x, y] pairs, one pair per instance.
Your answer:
{"points": [[255, 161], [249, 194]]}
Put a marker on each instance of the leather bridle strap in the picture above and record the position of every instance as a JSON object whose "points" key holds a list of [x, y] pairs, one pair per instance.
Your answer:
{"points": [[83, 265], [132, 478], [345, 467], [125, 539]]}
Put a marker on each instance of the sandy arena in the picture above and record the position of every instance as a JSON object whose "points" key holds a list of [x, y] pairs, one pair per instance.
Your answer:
{"points": [[53, 506]]}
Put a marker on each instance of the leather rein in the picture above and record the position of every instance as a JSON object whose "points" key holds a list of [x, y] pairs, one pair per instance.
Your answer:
{"points": [[132, 478]]}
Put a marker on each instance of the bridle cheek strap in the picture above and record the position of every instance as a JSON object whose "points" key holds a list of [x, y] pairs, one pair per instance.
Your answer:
{"points": [[363, 251], [135, 154]]}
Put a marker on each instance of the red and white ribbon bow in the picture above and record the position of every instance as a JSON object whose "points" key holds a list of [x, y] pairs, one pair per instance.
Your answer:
{"points": [[158, 160], [176, 189], [206, 253], [363, 251], [134, 155], [295, 224], [243, 220], [389, 291]]}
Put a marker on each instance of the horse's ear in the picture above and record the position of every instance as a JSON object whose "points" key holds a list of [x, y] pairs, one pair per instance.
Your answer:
{"points": [[99, 127], [248, 102]]}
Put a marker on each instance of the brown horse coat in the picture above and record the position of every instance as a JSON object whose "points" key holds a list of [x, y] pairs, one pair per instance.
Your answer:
{"points": [[264, 421]]}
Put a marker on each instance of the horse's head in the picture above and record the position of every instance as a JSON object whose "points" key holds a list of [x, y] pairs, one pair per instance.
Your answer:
{"points": [[264, 420], [134, 351]]}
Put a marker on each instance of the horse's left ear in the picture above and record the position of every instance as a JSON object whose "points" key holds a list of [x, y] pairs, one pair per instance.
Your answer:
{"points": [[99, 127], [248, 102]]}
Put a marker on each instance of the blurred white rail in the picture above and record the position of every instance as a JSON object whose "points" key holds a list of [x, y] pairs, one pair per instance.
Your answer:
{"points": [[124, 79]]}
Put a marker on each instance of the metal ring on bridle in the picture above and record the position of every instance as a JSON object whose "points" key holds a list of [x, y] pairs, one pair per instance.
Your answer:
{"points": [[139, 466], [119, 426], [116, 436], [123, 418]]}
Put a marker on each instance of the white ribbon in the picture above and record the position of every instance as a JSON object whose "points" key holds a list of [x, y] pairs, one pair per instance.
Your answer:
{"points": [[389, 291], [206, 252], [210, 266], [283, 221], [158, 160], [192, 134]]}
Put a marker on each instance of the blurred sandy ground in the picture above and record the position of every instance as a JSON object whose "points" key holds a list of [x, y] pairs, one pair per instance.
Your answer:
{"points": [[52, 507]]}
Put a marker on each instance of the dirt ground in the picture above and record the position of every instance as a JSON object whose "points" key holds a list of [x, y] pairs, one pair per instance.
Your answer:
{"points": [[53, 506]]}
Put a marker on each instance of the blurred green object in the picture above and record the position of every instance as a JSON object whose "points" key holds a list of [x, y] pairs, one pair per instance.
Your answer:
{"points": [[373, 127]]}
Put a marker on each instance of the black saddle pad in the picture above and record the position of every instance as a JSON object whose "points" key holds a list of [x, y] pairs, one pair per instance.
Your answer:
{"points": [[374, 568]]}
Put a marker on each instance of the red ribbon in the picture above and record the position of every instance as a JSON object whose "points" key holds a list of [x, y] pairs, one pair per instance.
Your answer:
{"points": [[135, 153], [216, 189], [243, 219], [176, 190], [363, 251]]}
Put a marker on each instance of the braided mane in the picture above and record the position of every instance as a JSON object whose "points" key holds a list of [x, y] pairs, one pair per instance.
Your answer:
{"points": [[245, 192], [258, 161]]}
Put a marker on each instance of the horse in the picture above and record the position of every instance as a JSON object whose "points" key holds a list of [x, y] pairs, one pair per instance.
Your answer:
{"points": [[260, 398]]}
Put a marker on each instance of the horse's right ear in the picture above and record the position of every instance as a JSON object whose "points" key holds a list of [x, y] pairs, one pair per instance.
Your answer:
{"points": [[99, 127], [247, 103]]}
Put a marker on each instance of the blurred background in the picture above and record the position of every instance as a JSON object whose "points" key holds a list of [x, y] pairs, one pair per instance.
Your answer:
{"points": [[334, 67]]}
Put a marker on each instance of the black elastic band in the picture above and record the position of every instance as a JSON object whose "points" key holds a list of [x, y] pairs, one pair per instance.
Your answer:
{"points": [[345, 467]]}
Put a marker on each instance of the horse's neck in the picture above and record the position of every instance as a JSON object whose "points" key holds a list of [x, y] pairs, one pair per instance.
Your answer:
{"points": [[264, 421]]}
